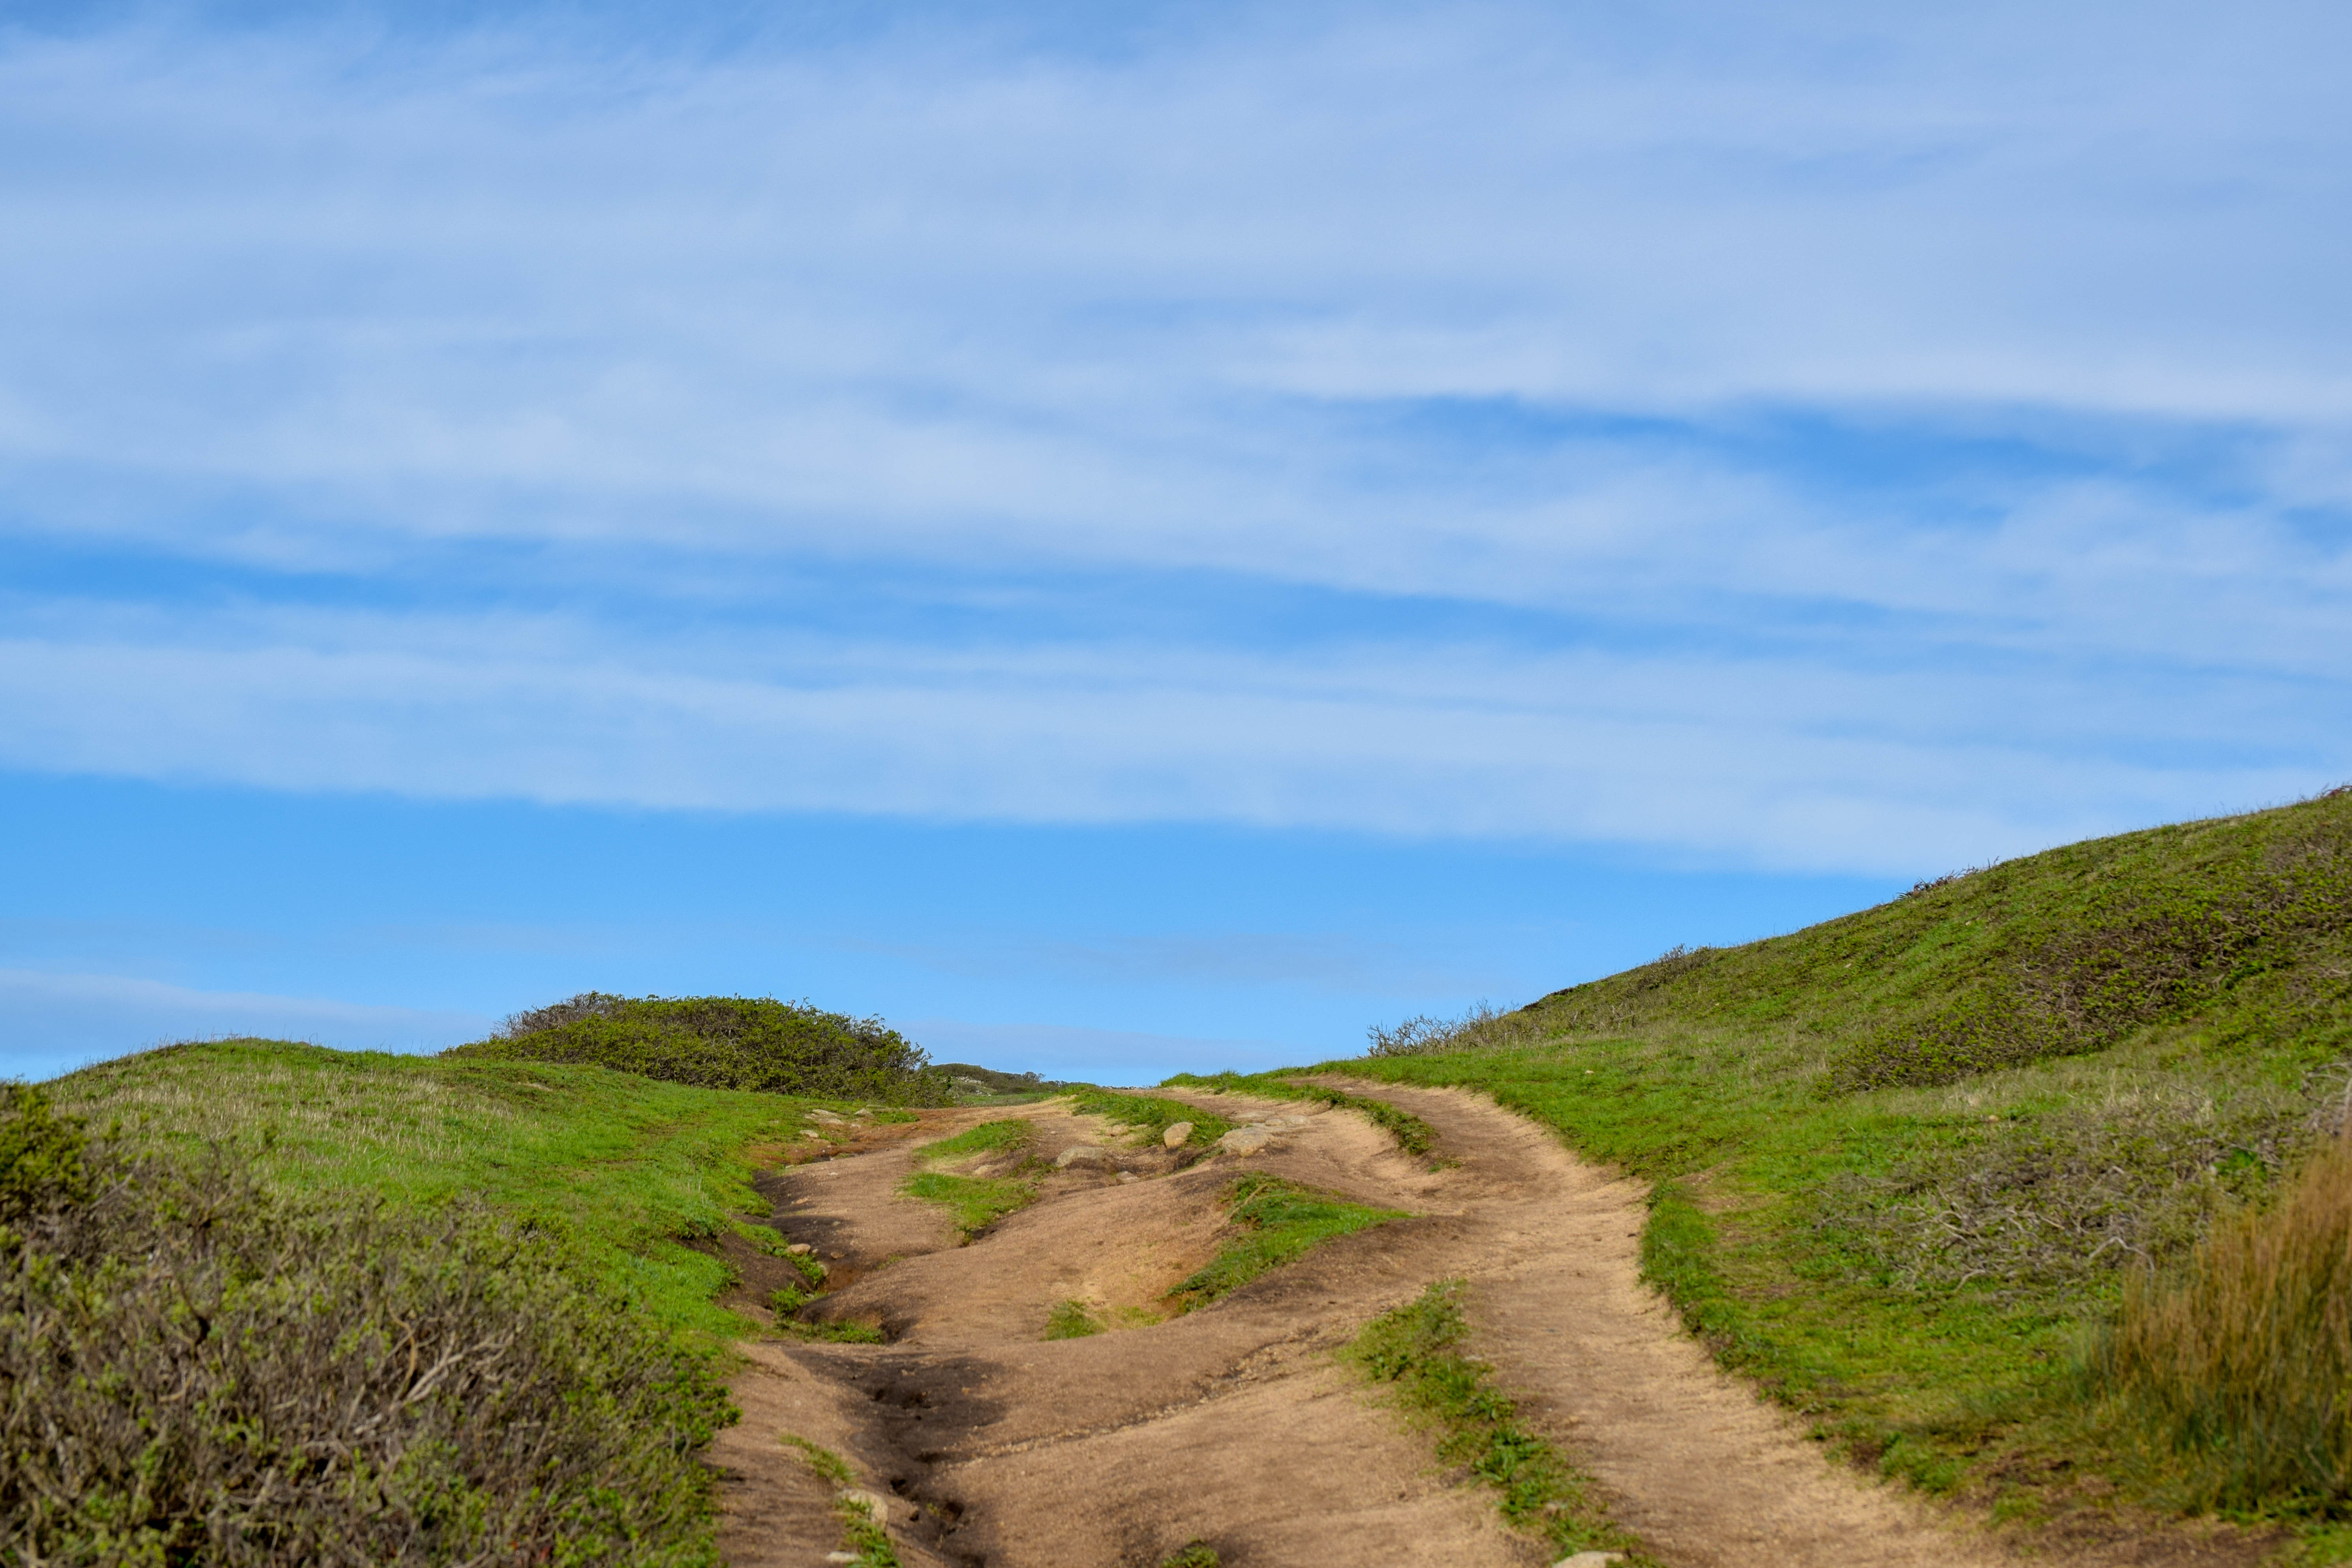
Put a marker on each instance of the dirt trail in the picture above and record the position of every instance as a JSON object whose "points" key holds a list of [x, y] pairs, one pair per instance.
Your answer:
{"points": [[1231, 1424]]}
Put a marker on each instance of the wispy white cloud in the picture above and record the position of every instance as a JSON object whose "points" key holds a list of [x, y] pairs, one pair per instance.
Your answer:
{"points": [[1872, 435]]}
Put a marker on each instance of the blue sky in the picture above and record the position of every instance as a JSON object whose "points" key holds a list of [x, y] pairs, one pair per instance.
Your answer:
{"points": [[1122, 545]]}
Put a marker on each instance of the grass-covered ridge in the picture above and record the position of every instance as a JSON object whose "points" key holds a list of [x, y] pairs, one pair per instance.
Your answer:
{"points": [[628, 1169], [1905, 1161], [725, 1042]]}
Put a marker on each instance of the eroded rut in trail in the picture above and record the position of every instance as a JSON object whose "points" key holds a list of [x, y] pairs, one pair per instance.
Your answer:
{"points": [[1233, 1425]]}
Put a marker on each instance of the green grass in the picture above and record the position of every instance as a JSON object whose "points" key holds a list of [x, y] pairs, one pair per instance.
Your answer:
{"points": [[1150, 1115], [1277, 1221], [1193, 1554], [1412, 1135], [182, 1332], [1071, 1320], [861, 1533], [1904, 1160], [1416, 1353], [976, 1202], [623, 1166], [988, 1138]]}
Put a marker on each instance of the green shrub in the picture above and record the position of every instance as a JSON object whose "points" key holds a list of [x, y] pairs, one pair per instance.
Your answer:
{"points": [[41, 1154], [726, 1042], [193, 1371]]}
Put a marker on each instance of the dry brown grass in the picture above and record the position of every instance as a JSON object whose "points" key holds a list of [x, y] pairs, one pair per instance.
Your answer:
{"points": [[2240, 1363]]}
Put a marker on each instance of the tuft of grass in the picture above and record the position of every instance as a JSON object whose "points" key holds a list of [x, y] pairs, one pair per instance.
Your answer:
{"points": [[621, 1165], [1150, 1115], [1416, 1353], [2238, 1361], [862, 1533], [1193, 1554], [725, 1042], [987, 1138], [1412, 1135], [976, 1202], [836, 1332], [1277, 1221], [1071, 1320]]}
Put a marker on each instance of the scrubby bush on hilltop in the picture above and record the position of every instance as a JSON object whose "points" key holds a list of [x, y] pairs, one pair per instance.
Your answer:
{"points": [[727, 1042], [193, 1371]]}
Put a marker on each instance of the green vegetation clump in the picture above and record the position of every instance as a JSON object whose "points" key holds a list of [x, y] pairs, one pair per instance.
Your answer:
{"points": [[1277, 1221], [1905, 1164], [1195, 1553], [195, 1368], [1071, 1320], [987, 1138], [1412, 1135], [862, 1533], [627, 1169], [1150, 1115], [1417, 1351], [756, 1044], [976, 1202]]}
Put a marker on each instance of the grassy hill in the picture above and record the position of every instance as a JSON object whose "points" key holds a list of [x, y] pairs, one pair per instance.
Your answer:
{"points": [[354, 1307], [1926, 1171]]}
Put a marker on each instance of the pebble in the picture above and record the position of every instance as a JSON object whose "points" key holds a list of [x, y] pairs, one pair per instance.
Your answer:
{"points": [[1128, 1176], [1176, 1134], [818, 1113], [1082, 1154], [800, 1249], [1246, 1139], [1590, 1560], [818, 1136]]}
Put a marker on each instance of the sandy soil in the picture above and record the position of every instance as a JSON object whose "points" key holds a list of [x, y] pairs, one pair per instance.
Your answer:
{"points": [[1231, 1424]]}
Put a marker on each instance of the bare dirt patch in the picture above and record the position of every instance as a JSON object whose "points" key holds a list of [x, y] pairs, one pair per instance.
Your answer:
{"points": [[1232, 1424]]}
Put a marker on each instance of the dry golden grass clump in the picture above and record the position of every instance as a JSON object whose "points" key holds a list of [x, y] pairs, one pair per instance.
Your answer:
{"points": [[2240, 1363]]}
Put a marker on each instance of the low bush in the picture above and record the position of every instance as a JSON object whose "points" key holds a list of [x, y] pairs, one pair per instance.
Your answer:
{"points": [[2239, 1362], [195, 1371], [1480, 1028], [726, 1042]]}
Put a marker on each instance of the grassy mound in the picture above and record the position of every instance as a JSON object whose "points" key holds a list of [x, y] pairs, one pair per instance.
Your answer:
{"points": [[1907, 1162], [755, 1044], [632, 1171], [194, 1368]]}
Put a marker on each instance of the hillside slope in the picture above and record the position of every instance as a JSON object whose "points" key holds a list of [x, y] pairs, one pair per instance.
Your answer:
{"points": [[1905, 1162]]}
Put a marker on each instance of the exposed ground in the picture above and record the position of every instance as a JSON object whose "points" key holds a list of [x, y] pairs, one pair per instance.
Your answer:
{"points": [[1233, 1424]]}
